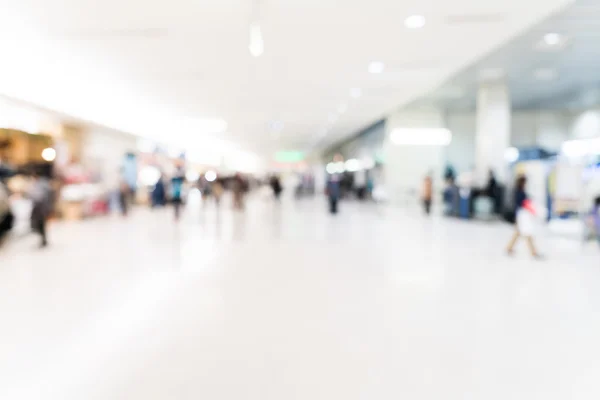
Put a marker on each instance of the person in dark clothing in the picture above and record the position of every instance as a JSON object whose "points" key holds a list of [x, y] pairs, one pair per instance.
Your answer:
{"points": [[6, 216], [333, 193], [493, 191], [40, 194], [177, 193], [275, 183], [525, 218], [596, 211], [492, 186], [159, 193], [124, 193]]}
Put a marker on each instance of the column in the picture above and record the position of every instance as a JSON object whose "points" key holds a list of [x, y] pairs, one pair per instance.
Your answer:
{"points": [[493, 131]]}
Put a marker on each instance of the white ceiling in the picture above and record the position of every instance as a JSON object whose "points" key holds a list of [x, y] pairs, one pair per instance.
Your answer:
{"points": [[564, 76], [158, 68]]}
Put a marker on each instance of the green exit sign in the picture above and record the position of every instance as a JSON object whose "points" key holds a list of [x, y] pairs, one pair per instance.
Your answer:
{"points": [[289, 156]]}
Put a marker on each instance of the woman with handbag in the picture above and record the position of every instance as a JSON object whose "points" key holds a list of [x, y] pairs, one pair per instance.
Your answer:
{"points": [[525, 219]]}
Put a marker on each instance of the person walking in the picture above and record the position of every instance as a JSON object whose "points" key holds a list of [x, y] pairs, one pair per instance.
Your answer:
{"points": [[40, 194], [525, 219], [177, 193], [6, 216], [124, 198], [238, 187], [596, 211], [334, 192], [275, 183], [217, 191], [427, 194], [159, 193]]}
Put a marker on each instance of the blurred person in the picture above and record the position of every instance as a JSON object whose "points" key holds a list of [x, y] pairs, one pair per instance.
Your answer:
{"points": [[275, 184], [40, 194], [205, 187], [334, 193], [217, 191], [493, 191], [427, 194], [492, 185], [525, 218], [238, 187], [159, 193], [177, 192], [451, 197], [597, 217], [6, 216], [124, 194], [370, 186]]}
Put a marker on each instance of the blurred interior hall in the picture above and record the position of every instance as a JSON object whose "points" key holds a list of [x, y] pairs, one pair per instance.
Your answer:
{"points": [[272, 200]]}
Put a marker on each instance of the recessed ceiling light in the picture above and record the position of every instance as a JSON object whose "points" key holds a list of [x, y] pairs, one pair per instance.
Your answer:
{"points": [[376, 67], [257, 45], [552, 39], [355, 93], [545, 74], [342, 108], [414, 22]]}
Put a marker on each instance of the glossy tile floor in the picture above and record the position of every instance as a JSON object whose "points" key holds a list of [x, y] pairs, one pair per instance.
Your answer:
{"points": [[286, 302]]}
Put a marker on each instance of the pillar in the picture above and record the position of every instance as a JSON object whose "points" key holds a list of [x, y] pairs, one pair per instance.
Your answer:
{"points": [[493, 131]]}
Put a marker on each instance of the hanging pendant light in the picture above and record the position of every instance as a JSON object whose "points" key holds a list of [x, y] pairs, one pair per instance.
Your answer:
{"points": [[257, 45]]}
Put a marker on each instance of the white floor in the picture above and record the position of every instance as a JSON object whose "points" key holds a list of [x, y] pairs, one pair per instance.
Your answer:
{"points": [[287, 302]]}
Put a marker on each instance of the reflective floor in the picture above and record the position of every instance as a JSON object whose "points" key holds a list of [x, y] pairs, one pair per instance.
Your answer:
{"points": [[287, 302]]}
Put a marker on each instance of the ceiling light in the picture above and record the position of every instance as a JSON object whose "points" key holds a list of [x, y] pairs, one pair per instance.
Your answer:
{"points": [[376, 67], [210, 176], [355, 93], [342, 108], [414, 22], [552, 39], [257, 46], [552, 42], [49, 154], [545, 74]]}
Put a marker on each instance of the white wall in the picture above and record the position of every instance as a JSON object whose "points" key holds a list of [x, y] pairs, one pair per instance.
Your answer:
{"points": [[585, 124]]}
